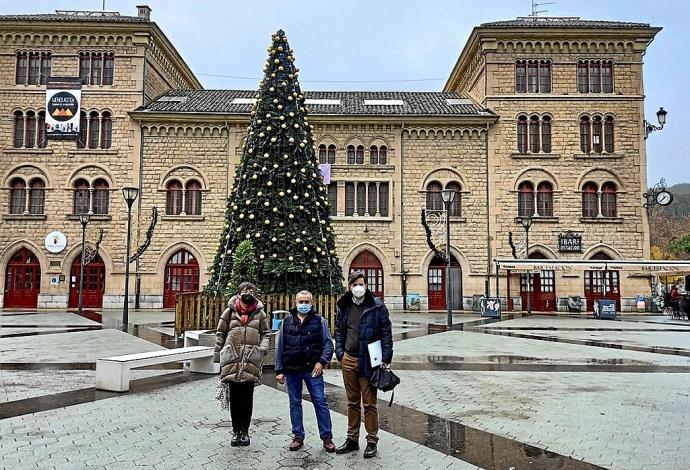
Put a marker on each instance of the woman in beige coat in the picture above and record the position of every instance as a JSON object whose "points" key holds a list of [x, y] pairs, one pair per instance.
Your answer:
{"points": [[241, 344]]}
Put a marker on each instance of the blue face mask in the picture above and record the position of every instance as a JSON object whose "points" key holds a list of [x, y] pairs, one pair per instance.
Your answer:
{"points": [[303, 308]]}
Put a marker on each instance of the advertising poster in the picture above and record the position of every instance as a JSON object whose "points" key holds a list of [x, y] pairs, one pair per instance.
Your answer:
{"points": [[63, 100]]}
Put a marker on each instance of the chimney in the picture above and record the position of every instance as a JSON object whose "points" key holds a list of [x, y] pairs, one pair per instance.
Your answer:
{"points": [[144, 12]]}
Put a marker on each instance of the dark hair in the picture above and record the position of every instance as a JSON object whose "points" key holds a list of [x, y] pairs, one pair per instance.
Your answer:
{"points": [[245, 285], [354, 276]]}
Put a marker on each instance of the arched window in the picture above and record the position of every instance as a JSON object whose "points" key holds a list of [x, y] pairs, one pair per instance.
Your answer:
{"points": [[608, 135], [590, 200], [545, 199], [93, 130], [434, 202], [41, 124], [193, 198], [546, 134], [30, 141], [360, 155], [81, 197], [608, 200], [350, 154], [374, 155], [323, 158], [100, 197], [534, 134], [525, 199], [522, 134], [585, 131], [83, 128], [37, 197], [17, 196], [361, 198], [456, 206], [383, 155], [597, 137], [331, 154], [372, 268], [173, 204], [106, 130], [18, 129]]}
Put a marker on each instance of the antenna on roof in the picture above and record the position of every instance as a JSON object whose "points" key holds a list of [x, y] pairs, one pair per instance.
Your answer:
{"points": [[536, 5]]}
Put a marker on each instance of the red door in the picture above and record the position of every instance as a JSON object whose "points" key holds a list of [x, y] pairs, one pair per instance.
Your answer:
{"points": [[181, 275], [94, 283], [22, 280], [543, 291], [436, 284], [602, 285], [369, 264]]}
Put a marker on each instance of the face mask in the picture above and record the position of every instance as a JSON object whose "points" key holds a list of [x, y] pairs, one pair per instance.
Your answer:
{"points": [[358, 291], [303, 308], [247, 298]]}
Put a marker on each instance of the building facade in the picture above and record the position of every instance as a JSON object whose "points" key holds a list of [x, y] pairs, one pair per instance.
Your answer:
{"points": [[540, 118]]}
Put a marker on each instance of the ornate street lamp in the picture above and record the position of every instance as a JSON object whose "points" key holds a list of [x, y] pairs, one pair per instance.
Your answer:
{"points": [[84, 220], [526, 224], [130, 194], [649, 127], [448, 196]]}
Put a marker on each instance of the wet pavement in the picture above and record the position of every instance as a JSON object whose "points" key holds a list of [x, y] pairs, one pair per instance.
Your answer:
{"points": [[551, 392]]}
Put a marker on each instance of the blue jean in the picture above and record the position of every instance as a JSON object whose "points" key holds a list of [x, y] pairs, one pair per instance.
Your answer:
{"points": [[315, 386]]}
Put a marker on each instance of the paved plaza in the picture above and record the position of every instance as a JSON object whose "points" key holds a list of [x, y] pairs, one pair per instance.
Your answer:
{"points": [[525, 392]]}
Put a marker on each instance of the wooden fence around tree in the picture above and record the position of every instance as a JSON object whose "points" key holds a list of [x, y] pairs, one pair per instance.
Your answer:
{"points": [[199, 311]]}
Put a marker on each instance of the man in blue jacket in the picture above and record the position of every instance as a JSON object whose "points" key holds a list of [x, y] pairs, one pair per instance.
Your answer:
{"points": [[303, 348], [362, 318]]}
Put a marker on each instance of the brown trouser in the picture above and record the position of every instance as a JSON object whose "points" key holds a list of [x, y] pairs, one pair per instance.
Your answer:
{"points": [[359, 393]]}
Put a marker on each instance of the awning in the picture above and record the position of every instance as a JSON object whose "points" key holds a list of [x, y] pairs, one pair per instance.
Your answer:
{"points": [[639, 265]]}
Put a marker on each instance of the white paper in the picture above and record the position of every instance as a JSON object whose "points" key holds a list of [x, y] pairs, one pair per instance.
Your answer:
{"points": [[375, 353]]}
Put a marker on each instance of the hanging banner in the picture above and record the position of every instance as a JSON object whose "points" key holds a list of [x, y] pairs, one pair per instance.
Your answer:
{"points": [[63, 101], [325, 172]]}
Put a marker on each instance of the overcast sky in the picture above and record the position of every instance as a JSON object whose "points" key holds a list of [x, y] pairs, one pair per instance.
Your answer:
{"points": [[400, 45]]}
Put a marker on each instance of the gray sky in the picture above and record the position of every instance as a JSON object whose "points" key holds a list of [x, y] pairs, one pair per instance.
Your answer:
{"points": [[402, 43]]}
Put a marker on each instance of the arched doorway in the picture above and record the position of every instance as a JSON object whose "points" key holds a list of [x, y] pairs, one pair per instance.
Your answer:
{"points": [[22, 280], [436, 282], [94, 283], [371, 266], [602, 284], [181, 275], [543, 288]]}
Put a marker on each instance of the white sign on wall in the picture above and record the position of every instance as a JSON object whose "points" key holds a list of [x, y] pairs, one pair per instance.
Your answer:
{"points": [[56, 242]]}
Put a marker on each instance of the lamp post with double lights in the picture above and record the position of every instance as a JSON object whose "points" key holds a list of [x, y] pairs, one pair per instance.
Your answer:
{"points": [[130, 194], [649, 127], [526, 224], [84, 220], [448, 196]]}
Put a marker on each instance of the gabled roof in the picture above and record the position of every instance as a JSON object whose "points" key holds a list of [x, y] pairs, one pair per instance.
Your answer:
{"points": [[352, 103], [561, 22]]}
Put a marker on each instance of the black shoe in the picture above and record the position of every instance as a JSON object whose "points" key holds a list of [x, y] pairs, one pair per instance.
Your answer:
{"points": [[235, 442], [244, 439], [348, 446], [370, 451]]}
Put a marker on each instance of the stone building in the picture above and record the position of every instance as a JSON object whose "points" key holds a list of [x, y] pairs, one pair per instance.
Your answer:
{"points": [[541, 117]]}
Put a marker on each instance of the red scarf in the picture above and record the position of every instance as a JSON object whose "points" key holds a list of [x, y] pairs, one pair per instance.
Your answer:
{"points": [[244, 311]]}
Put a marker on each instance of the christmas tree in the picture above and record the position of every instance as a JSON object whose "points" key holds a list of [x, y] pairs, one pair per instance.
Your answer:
{"points": [[243, 266], [279, 200]]}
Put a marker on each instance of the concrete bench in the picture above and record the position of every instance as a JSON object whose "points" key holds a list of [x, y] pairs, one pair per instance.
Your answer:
{"points": [[113, 373]]}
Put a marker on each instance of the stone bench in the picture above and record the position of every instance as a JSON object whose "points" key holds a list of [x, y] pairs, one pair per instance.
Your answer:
{"points": [[113, 373]]}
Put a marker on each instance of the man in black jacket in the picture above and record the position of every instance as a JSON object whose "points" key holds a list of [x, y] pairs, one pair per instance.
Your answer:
{"points": [[303, 349], [362, 319]]}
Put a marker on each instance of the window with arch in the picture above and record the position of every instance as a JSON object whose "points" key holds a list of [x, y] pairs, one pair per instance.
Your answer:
{"points": [[546, 134], [29, 130], [173, 201], [455, 209], [33, 68], [522, 134], [96, 68], [37, 196], [534, 134], [17, 196], [378, 155], [596, 134], [350, 154], [327, 154], [81, 197], [91, 198], [545, 199], [95, 130], [359, 155], [590, 200], [608, 199], [193, 198], [434, 202], [533, 76], [595, 76], [101, 197], [525, 199]]}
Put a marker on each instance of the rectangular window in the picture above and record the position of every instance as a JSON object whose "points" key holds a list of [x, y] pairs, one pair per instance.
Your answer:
{"points": [[173, 204], [361, 198], [589, 204], [17, 201], [545, 203], [333, 198], [525, 204], [608, 204], [34, 68], [383, 199], [349, 199], [594, 77], [96, 69], [100, 201], [534, 135], [18, 130], [36, 201], [372, 197], [42, 141], [30, 141], [533, 77], [546, 135], [108, 69], [585, 141], [607, 77], [22, 68], [521, 77], [46, 65], [544, 77], [85, 68], [522, 135], [608, 135], [81, 201], [597, 140], [582, 78]]}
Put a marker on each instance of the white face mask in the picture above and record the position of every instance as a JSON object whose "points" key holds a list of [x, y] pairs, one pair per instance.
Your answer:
{"points": [[359, 291]]}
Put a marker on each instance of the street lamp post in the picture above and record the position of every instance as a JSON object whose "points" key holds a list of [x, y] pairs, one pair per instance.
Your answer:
{"points": [[526, 224], [84, 220], [130, 194], [649, 127], [448, 196]]}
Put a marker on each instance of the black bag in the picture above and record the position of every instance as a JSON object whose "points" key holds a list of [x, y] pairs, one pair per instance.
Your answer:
{"points": [[385, 380]]}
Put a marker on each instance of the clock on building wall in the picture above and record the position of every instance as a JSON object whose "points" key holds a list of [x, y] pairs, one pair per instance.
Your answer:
{"points": [[664, 198]]}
